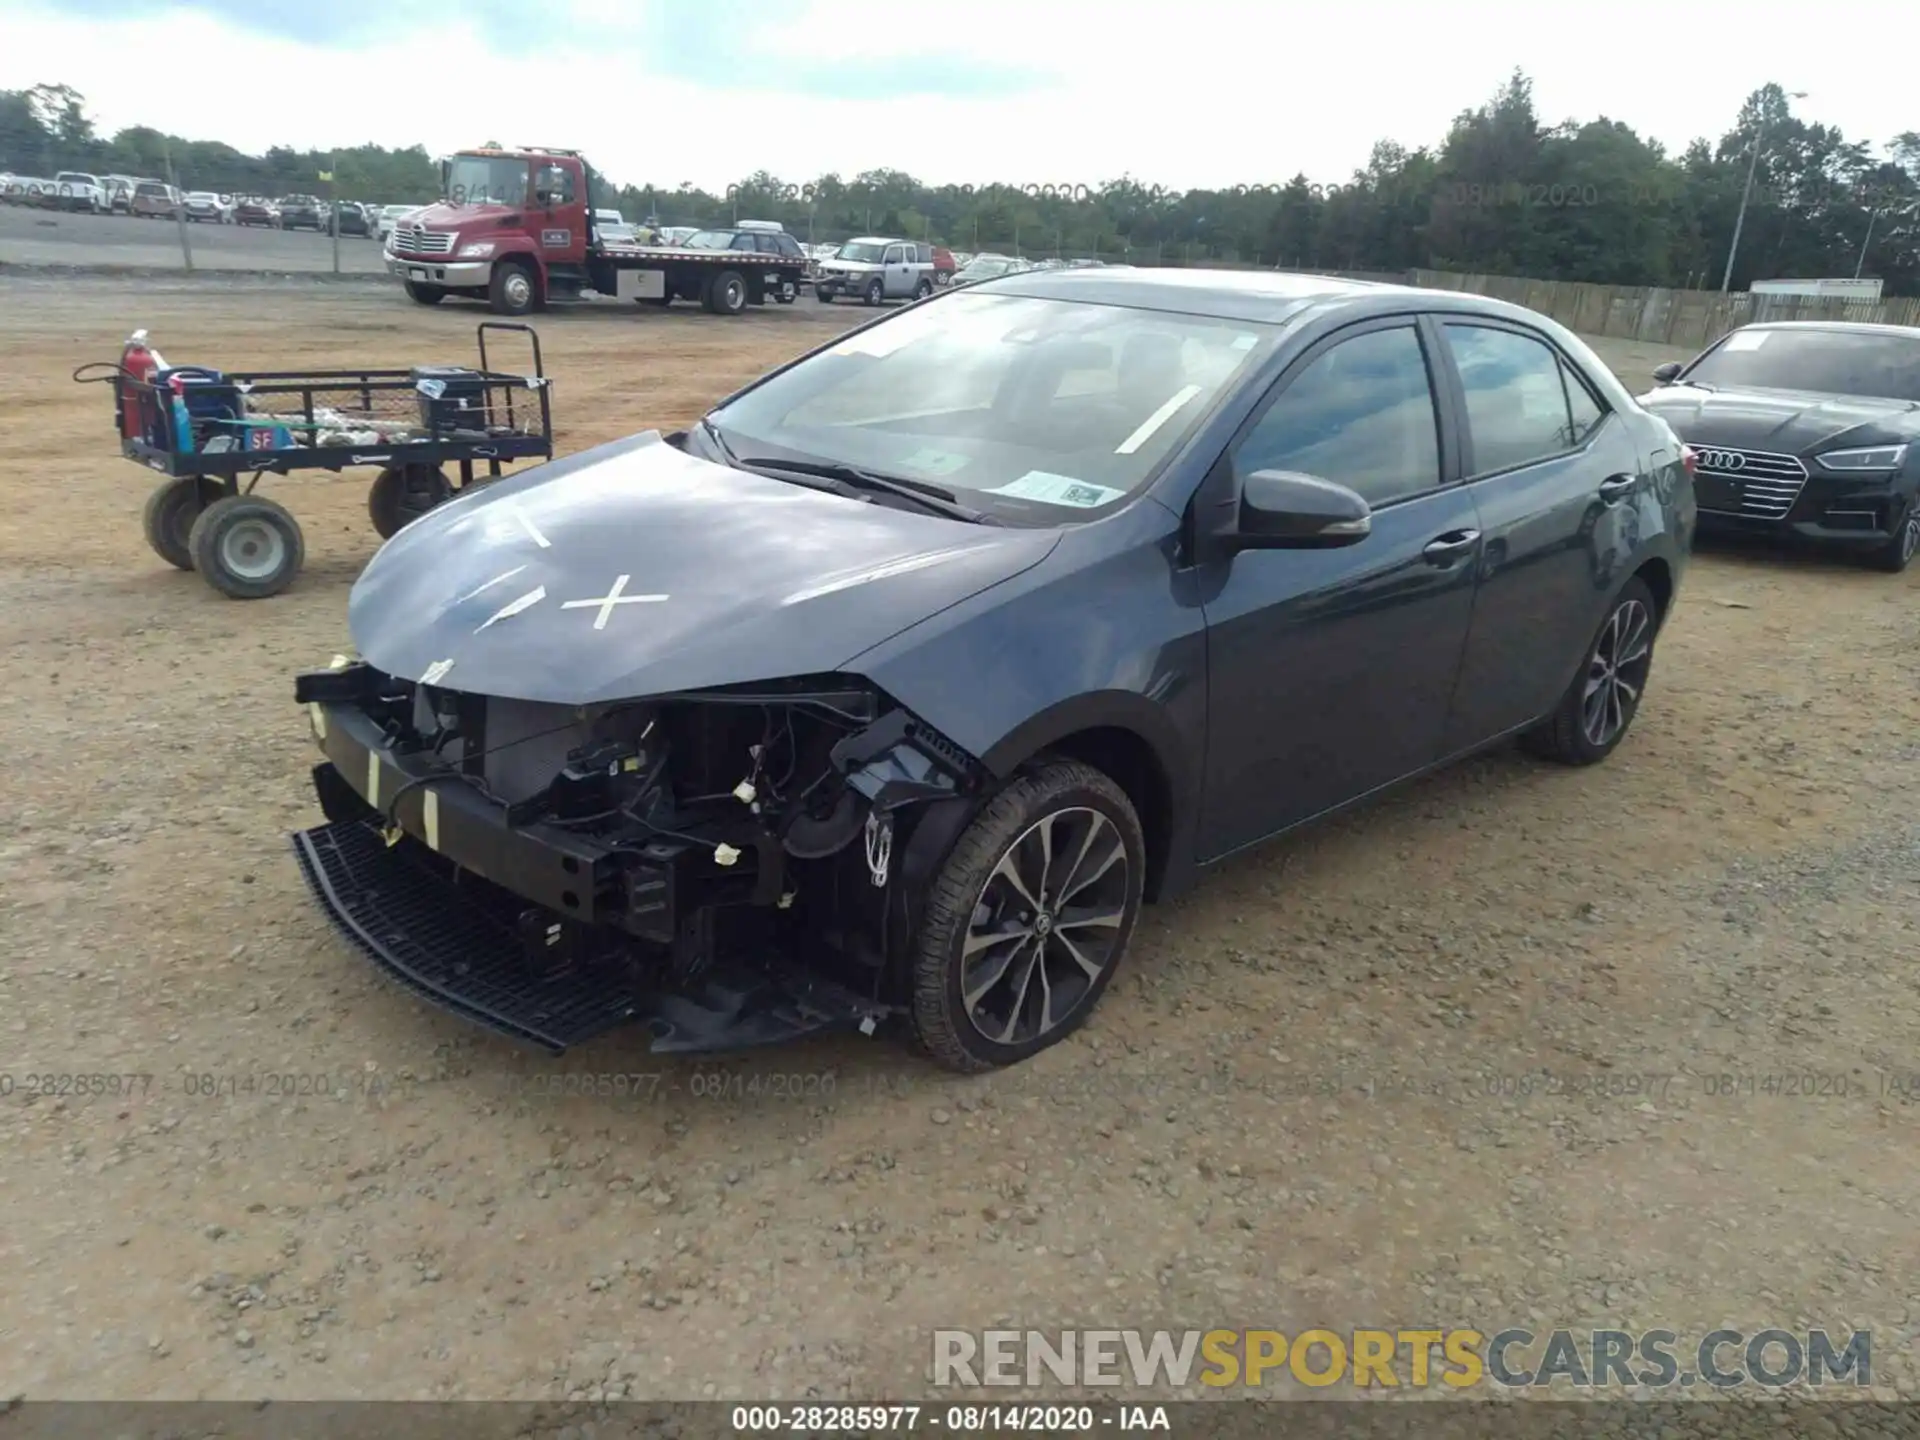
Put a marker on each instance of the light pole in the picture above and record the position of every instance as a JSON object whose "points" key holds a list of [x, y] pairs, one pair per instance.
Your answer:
{"points": [[1873, 215], [1740, 219]]}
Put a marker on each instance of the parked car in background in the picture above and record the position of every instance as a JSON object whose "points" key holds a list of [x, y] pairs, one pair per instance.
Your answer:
{"points": [[120, 192], [678, 234], [154, 200], [1215, 553], [256, 210], [1805, 430], [302, 212], [388, 216], [874, 268], [204, 206], [988, 266], [77, 190], [353, 219]]}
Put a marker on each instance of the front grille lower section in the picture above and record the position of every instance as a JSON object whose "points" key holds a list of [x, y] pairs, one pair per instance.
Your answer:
{"points": [[1754, 483], [414, 241]]}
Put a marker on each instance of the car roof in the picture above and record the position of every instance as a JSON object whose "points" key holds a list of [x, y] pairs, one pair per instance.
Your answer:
{"points": [[1260, 295], [876, 240], [1844, 327]]}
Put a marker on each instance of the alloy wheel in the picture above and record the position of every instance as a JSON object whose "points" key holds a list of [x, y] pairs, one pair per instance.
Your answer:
{"points": [[1046, 925], [1910, 536], [1616, 673]]}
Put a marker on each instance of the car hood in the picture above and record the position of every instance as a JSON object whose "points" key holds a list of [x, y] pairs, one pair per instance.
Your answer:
{"points": [[1786, 422], [503, 591]]}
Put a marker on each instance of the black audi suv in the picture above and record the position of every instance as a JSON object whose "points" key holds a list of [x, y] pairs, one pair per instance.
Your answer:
{"points": [[1807, 430], [885, 694]]}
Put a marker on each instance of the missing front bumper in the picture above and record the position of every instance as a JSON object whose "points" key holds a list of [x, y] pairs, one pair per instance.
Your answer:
{"points": [[455, 940]]}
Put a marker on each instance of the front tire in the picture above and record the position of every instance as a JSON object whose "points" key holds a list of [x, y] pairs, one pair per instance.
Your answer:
{"points": [[512, 291], [247, 547], [876, 292], [1594, 715], [1897, 554], [1028, 919]]}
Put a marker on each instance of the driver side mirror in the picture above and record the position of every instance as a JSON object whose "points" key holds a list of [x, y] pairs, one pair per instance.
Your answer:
{"points": [[1285, 510], [1667, 373]]}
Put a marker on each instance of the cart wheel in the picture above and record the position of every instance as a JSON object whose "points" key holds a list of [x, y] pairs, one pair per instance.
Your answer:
{"points": [[399, 496], [247, 547], [171, 511]]}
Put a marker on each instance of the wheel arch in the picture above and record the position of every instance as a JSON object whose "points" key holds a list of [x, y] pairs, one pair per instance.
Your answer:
{"points": [[1129, 739], [1657, 575]]}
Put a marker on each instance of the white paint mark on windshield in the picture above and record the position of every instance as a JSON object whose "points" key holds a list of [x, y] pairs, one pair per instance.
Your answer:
{"points": [[1154, 421]]}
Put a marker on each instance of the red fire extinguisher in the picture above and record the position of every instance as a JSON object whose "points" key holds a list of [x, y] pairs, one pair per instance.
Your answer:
{"points": [[138, 365]]}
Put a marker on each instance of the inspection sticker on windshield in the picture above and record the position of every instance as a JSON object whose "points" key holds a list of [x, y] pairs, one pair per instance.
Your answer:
{"points": [[1746, 340], [1058, 490]]}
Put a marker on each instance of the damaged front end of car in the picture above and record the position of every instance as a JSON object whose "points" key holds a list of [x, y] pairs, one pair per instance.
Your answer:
{"points": [[730, 867]]}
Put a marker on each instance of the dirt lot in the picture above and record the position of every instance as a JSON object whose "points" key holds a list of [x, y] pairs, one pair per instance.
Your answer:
{"points": [[1290, 1111]]}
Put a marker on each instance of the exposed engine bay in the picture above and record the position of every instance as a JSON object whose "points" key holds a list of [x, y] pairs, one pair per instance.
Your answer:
{"points": [[650, 839]]}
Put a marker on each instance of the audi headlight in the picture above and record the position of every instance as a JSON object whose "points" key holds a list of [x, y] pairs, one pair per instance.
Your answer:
{"points": [[1872, 457], [479, 250]]}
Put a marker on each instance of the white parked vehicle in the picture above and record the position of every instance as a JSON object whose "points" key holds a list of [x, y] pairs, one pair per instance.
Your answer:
{"points": [[205, 206], [876, 268], [77, 190], [387, 216]]}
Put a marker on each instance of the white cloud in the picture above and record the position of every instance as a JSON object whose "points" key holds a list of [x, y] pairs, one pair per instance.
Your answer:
{"points": [[1201, 92]]}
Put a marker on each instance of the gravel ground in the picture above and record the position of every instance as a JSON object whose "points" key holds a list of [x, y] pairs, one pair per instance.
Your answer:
{"points": [[1347, 1083]]}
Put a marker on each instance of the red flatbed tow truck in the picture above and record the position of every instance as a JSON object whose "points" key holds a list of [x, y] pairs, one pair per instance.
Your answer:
{"points": [[515, 228]]}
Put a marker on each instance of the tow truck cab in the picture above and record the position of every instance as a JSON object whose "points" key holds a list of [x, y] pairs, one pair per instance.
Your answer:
{"points": [[516, 228]]}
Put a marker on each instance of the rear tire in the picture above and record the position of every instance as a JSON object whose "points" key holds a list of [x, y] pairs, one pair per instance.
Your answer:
{"points": [[1063, 830], [513, 290], [923, 290], [425, 294], [1898, 553], [247, 547], [168, 519], [1593, 717], [726, 293], [401, 495]]}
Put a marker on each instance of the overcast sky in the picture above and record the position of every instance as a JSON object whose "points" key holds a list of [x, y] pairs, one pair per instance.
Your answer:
{"points": [[1193, 93]]}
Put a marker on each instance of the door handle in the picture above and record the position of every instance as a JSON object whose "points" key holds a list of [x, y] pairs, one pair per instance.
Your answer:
{"points": [[1616, 488], [1447, 548]]}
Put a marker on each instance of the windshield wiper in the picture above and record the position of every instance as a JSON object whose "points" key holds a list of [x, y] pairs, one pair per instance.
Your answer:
{"points": [[927, 497]]}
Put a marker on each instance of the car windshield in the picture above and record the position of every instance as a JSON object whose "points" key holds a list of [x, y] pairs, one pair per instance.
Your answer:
{"points": [[863, 254], [1039, 411], [709, 240], [986, 269], [486, 180], [1828, 362]]}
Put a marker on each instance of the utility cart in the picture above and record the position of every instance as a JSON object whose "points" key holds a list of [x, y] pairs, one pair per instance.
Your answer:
{"points": [[214, 434]]}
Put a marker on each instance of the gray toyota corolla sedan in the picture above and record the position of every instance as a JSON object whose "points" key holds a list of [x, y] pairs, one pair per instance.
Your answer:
{"points": [[885, 695]]}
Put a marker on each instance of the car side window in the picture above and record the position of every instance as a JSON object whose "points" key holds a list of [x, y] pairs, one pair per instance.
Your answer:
{"points": [[553, 185], [1585, 413], [1361, 414], [895, 255], [744, 241], [1517, 405]]}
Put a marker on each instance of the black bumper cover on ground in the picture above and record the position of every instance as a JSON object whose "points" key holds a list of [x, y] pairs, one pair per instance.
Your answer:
{"points": [[453, 939]]}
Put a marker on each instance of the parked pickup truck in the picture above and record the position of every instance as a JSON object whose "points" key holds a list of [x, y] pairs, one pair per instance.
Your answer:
{"points": [[516, 228], [76, 190]]}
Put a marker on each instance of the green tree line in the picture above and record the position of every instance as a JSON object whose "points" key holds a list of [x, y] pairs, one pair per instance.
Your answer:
{"points": [[1503, 192]]}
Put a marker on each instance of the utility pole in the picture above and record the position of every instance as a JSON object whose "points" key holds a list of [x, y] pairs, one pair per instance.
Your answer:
{"points": [[333, 209], [1746, 193], [179, 207]]}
